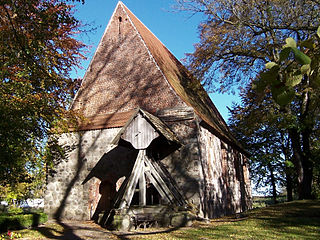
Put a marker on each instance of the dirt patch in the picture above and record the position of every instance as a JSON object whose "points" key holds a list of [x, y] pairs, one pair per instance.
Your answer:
{"points": [[84, 230], [69, 230]]}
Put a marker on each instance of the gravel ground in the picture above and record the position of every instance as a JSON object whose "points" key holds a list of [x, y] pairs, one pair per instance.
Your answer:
{"points": [[85, 230]]}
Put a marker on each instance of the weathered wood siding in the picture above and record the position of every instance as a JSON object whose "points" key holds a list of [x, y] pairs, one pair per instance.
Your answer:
{"points": [[140, 133]]}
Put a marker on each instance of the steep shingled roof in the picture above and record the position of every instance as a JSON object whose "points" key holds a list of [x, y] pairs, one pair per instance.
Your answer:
{"points": [[168, 84], [188, 88]]}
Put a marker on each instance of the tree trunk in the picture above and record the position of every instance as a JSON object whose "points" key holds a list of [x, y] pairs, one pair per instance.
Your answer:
{"points": [[307, 166], [273, 184], [297, 156], [285, 145], [302, 162], [289, 186]]}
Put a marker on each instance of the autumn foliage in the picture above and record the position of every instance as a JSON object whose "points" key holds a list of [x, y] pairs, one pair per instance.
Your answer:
{"points": [[38, 50], [238, 37], [270, 51]]}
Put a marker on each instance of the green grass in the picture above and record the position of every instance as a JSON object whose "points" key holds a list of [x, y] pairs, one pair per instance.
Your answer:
{"points": [[294, 220], [259, 202], [50, 230]]}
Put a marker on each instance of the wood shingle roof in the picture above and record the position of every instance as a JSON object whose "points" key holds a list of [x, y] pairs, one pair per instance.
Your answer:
{"points": [[132, 69]]}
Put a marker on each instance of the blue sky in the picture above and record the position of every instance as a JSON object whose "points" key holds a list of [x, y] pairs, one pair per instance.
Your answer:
{"points": [[176, 30]]}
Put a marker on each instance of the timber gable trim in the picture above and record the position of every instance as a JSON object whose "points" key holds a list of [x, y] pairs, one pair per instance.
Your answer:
{"points": [[156, 123]]}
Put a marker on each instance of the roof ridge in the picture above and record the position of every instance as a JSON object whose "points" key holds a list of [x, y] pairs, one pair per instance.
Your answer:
{"points": [[169, 83], [127, 9]]}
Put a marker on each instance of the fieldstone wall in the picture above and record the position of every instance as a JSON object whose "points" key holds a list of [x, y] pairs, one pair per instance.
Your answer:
{"points": [[66, 197], [211, 175], [227, 182], [184, 164]]}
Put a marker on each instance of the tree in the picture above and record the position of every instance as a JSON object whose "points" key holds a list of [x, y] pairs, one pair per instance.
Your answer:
{"points": [[38, 50], [257, 125], [294, 82], [239, 36], [236, 41], [282, 108]]}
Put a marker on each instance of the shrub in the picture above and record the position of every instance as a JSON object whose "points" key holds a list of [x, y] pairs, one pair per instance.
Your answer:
{"points": [[20, 221], [15, 210]]}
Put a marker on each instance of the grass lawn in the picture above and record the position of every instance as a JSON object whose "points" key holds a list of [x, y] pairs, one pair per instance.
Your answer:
{"points": [[259, 202], [294, 220]]}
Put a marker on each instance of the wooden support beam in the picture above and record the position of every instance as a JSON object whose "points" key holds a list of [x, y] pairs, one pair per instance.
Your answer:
{"points": [[177, 114], [157, 186], [169, 182], [133, 180], [158, 182], [142, 188], [145, 167]]}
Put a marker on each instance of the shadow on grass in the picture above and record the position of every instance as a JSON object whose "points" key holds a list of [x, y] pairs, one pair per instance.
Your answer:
{"points": [[73, 230], [298, 219], [295, 220], [49, 232]]}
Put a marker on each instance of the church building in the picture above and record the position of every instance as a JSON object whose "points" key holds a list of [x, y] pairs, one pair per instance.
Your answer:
{"points": [[150, 147]]}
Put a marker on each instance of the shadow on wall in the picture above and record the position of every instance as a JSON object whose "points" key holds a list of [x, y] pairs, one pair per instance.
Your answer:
{"points": [[225, 192], [232, 205], [112, 166], [183, 163], [78, 168], [123, 93]]}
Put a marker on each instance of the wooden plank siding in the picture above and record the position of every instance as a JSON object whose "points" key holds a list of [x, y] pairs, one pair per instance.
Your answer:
{"points": [[139, 133]]}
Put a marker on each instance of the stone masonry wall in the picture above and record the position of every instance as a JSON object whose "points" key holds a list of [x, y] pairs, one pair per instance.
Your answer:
{"points": [[184, 164], [65, 196], [211, 175], [227, 181]]}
